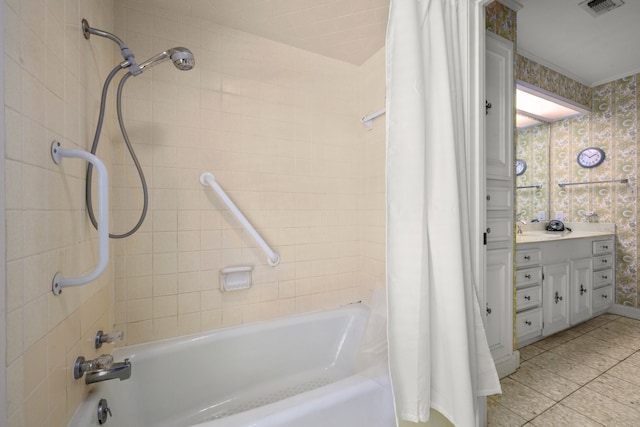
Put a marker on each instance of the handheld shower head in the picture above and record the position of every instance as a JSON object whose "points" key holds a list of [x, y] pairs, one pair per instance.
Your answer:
{"points": [[181, 56]]}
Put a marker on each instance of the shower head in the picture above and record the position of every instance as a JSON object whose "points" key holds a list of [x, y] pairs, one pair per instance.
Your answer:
{"points": [[181, 56]]}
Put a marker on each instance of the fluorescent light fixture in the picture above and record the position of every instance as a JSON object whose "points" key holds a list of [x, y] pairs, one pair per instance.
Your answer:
{"points": [[523, 121], [538, 104]]}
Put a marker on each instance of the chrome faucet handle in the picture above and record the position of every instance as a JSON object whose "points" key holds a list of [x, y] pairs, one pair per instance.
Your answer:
{"points": [[111, 337], [82, 365]]}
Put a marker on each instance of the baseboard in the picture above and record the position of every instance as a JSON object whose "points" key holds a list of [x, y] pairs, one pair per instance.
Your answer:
{"points": [[508, 365], [624, 310]]}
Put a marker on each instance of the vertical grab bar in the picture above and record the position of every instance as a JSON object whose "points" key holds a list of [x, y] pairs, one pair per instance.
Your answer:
{"points": [[207, 179], [59, 282]]}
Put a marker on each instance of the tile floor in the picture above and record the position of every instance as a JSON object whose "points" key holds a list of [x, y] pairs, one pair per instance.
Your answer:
{"points": [[585, 376]]}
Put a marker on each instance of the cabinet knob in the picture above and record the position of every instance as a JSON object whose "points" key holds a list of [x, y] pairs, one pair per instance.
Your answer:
{"points": [[488, 230], [582, 290], [604, 261], [487, 106], [527, 322], [605, 296], [488, 310], [605, 277], [488, 196], [557, 297], [527, 297], [527, 258], [527, 276], [605, 247]]}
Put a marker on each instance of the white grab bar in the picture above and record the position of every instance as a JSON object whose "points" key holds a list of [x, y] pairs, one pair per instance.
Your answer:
{"points": [[207, 179], [59, 282]]}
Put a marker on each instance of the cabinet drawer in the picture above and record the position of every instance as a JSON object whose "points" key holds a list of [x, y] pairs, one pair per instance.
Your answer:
{"points": [[528, 276], [603, 247], [602, 261], [528, 257], [499, 198], [529, 323], [528, 297], [602, 277], [602, 298]]}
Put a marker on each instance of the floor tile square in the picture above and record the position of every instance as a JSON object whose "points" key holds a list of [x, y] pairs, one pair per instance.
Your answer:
{"points": [[617, 389], [602, 409], [544, 381], [562, 416], [499, 416], [522, 400], [564, 367]]}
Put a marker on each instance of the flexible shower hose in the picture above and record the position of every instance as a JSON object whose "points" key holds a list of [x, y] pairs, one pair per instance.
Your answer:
{"points": [[94, 149]]}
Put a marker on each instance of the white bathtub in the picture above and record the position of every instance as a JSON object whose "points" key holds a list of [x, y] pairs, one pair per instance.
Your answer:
{"points": [[299, 371]]}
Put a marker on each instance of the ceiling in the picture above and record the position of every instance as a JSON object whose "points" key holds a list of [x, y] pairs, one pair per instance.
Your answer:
{"points": [[347, 30], [555, 33], [563, 36]]}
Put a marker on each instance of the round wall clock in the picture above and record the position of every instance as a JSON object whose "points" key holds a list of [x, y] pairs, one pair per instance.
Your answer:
{"points": [[521, 166], [591, 157]]}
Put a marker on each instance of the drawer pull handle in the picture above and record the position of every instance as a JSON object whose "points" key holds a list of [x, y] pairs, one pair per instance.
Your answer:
{"points": [[605, 296], [527, 276], [488, 310], [527, 322], [488, 197], [604, 277], [527, 258], [604, 261], [605, 247], [557, 297], [582, 290], [527, 297]]}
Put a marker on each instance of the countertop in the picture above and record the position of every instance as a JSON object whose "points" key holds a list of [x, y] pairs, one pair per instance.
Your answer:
{"points": [[535, 232]]}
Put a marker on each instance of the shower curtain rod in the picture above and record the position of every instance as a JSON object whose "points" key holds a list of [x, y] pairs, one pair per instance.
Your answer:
{"points": [[368, 119]]}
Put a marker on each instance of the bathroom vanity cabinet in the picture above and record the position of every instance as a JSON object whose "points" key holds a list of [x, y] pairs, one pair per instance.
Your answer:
{"points": [[562, 282]]}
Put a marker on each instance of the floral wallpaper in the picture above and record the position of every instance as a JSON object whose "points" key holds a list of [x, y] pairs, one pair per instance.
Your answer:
{"points": [[501, 20], [545, 78]]}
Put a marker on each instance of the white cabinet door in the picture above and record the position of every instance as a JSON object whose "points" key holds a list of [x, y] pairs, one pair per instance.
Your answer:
{"points": [[498, 302], [499, 107], [581, 289], [498, 286], [555, 289]]}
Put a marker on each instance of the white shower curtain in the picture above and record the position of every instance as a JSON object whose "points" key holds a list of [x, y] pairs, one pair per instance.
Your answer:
{"points": [[438, 352]]}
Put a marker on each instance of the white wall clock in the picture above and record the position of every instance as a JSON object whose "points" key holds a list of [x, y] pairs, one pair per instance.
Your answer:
{"points": [[521, 166], [591, 157]]}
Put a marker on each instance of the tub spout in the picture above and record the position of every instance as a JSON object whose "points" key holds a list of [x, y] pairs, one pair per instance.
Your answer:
{"points": [[101, 369]]}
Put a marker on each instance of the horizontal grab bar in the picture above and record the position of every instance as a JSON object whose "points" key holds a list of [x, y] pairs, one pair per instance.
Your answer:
{"points": [[59, 281], [208, 179], [621, 181]]}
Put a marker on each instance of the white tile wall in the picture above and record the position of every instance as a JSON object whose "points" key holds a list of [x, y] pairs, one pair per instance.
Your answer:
{"points": [[279, 128], [51, 92]]}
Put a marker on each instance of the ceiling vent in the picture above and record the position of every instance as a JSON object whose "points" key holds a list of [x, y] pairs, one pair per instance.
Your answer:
{"points": [[600, 7]]}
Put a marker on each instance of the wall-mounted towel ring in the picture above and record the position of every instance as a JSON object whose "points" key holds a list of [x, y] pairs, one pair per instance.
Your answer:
{"points": [[59, 282]]}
